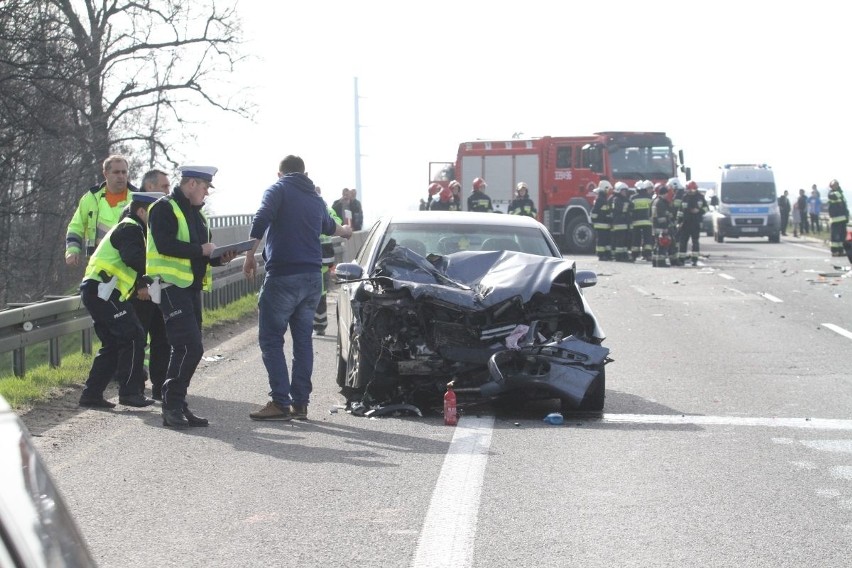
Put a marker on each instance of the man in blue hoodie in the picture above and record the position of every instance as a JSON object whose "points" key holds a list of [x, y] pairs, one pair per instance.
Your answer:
{"points": [[292, 216]]}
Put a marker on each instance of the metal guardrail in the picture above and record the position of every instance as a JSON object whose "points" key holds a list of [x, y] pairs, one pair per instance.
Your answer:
{"points": [[50, 320]]}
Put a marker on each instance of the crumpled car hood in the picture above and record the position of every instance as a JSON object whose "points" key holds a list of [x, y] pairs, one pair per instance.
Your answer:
{"points": [[474, 279]]}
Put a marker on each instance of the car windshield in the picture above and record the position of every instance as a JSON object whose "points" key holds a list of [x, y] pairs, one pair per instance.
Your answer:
{"points": [[426, 238], [744, 192]]}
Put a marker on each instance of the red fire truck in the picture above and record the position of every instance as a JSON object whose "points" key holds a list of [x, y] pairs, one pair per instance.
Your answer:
{"points": [[561, 173]]}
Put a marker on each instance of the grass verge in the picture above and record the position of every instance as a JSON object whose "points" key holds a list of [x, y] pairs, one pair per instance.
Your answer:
{"points": [[43, 382]]}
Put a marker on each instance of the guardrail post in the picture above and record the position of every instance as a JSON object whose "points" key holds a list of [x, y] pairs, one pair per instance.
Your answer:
{"points": [[19, 362], [87, 341], [54, 353]]}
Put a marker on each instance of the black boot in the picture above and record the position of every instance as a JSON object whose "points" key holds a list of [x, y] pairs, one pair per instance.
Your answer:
{"points": [[192, 419], [174, 418]]}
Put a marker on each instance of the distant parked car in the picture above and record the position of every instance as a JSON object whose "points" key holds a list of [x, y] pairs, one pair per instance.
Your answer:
{"points": [[36, 528], [482, 299]]}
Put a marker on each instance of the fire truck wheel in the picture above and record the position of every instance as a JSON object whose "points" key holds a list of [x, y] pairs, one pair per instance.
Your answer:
{"points": [[579, 236]]}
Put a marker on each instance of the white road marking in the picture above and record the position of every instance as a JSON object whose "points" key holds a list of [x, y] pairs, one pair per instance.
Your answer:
{"points": [[814, 248], [837, 329], [726, 276], [740, 292], [806, 423], [641, 290], [450, 525], [770, 297]]}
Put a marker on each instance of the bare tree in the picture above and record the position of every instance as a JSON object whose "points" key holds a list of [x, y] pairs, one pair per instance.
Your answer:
{"points": [[82, 79], [144, 61], [39, 152]]}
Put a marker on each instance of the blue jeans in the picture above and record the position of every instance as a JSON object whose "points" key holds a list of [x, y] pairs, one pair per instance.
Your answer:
{"points": [[288, 301]]}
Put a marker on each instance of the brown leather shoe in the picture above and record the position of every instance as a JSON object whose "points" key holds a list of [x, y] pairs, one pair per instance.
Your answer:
{"points": [[272, 411]]}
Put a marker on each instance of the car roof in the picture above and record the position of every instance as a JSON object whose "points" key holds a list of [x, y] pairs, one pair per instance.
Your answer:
{"points": [[461, 218]]}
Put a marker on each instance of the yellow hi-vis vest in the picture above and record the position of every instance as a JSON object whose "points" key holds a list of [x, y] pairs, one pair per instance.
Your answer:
{"points": [[106, 258], [171, 269]]}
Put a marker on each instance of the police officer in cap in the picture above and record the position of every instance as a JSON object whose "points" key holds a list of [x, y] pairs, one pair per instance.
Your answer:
{"points": [[114, 275], [179, 261]]}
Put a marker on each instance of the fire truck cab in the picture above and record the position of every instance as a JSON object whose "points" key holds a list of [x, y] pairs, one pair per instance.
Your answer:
{"points": [[561, 173]]}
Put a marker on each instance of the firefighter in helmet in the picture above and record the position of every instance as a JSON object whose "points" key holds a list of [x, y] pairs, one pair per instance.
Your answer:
{"points": [[642, 238], [455, 199], [478, 200], [522, 204], [602, 220], [838, 213], [693, 206], [661, 220], [622, 211], [676, 191]]}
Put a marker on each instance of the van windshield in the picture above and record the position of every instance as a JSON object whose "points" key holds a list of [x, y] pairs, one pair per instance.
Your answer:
{"points": [[748, 192]]}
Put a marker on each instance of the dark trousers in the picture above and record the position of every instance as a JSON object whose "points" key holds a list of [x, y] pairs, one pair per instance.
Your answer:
{"points": [[122, 349], [151, 318], [785, 219], [838, 236], [690, 230], [816, 226], [642, 241], [181, 308], [603, 246]]}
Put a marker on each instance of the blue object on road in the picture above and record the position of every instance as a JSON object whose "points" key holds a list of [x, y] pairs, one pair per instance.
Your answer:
{"points": [[554, 418]]}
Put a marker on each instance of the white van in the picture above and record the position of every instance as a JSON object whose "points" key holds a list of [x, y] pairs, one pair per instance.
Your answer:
{"points": [[747, 203]]}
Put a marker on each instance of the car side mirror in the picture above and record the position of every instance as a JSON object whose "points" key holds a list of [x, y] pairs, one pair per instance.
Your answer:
{"points": [[347, 272], [586, 278]]}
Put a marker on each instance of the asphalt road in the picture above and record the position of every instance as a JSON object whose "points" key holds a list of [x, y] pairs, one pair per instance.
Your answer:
{"points": [[726, 441]]}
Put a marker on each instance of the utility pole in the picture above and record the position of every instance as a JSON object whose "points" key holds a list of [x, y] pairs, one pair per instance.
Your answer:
{"points": [[358, 186]]}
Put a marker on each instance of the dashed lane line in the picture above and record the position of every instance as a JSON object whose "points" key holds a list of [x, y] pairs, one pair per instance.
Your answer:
{"points": [[726, 276], [839, 330], [770, 297]]}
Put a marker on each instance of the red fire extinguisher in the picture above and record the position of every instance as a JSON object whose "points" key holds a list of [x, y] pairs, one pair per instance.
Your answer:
{"points": [[451, 417]]}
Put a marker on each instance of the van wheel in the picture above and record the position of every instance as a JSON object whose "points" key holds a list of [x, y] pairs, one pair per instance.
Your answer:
{"points": [[775, 238], [719, 237]]}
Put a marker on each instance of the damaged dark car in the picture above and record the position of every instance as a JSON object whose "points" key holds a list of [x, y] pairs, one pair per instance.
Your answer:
{"points": [[482, 300]]}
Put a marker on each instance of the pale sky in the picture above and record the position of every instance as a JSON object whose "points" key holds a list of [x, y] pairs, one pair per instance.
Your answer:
{"points": [[729, 82]]}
